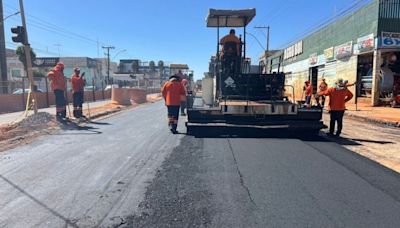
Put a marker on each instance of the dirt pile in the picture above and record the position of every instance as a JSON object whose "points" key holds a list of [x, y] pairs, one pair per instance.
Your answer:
{"points": [[26, 130]]}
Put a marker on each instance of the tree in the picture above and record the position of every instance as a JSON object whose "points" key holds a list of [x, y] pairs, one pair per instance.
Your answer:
{"points": [[161, 68], [21, 55], [152, 66], [135, 66]]}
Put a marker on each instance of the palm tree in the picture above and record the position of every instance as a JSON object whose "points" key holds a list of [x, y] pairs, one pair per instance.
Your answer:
{"points": [[135, 66], [152, 66], [161, 68]]}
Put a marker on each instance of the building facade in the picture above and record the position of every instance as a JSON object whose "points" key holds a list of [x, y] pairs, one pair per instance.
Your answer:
{"points": [[362, 47]]}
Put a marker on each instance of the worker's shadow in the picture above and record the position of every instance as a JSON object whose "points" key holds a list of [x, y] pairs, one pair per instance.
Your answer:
{"points": [[355, 142], [98, 123], [71, 126]]}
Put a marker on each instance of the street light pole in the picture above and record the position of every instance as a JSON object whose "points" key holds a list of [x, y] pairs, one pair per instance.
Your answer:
{"points": [[3, 58], [265, 27], [3, 55]]}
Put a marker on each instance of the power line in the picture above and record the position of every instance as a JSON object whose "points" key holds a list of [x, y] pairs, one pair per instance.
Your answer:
{"points": [[358, 4], [52, 27]]}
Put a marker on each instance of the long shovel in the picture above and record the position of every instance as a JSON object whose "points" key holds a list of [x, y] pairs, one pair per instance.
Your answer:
{"points": [[66, 98]]}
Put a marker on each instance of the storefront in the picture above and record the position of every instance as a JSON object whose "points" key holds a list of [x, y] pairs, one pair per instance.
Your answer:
{"points": [[353, 48]]}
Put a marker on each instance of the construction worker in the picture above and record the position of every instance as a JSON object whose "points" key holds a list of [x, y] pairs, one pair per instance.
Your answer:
{"points": [[172, 92], [58, 85], [338, 96], [185, 83], [230, 38], [308, 89], [78, 84], [322, 87]]}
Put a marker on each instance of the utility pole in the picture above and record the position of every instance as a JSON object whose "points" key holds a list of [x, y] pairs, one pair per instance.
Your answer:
{"points": [[3, 58], [58, 47], [27, 49], [108, 61], [265, 27]]}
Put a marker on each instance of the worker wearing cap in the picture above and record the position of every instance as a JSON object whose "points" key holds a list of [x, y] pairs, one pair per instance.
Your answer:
{"points": [[338, 96], [78, 84], [58, 85], [172, 92], [231, 37], [308, 92], [322, 87]]}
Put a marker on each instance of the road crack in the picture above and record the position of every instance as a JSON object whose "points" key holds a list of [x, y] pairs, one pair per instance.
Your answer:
{"points": [[241, 175]]}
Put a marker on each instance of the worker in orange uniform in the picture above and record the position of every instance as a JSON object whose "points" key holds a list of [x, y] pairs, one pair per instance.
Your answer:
{"points": [[308, 92], [230, 38], [322, 87], [338, 96], [58, 85], [185, 83], [172, 92], [78, 84]]}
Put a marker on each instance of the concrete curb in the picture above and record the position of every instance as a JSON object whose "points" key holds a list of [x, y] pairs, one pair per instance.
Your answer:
{"points": [[105, 113], [372, 120]]}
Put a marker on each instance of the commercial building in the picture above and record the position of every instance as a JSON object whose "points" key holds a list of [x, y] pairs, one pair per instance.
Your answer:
{"points": [[362, 46]]}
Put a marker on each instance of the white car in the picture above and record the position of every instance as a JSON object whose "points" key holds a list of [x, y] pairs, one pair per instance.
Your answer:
{"points": [[89, 88], [20, 91], [108, 87]]}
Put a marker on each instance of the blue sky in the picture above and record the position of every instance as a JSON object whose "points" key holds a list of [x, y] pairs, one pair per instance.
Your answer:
{"points": [[169, 30]]}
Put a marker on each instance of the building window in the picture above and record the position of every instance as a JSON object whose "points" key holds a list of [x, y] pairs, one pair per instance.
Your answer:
{"points": [[16, 73]]}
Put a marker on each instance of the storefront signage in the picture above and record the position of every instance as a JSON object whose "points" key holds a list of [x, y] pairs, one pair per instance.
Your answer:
{"points": [[294, 50], [390, 39], [365, 43], [344, 51], [45, 62], [313, 59], [328, 53]]}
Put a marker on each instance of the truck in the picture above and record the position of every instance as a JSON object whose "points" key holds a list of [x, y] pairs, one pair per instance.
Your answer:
{"points": [[241, 99]]}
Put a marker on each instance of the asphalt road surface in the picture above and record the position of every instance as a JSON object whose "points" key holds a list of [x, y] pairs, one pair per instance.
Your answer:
{"points": [[130, 171]]}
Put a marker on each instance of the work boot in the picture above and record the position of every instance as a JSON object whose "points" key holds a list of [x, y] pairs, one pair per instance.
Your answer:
{"points": [[173, 129]]}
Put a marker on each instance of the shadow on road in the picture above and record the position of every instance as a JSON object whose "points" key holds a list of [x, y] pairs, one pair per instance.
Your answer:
{"points": [[238, 132], [34, 199], [99, 123], [75, 127], [371, 141]]}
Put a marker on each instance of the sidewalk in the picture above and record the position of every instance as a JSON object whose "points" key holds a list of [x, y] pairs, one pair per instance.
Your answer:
{"points": [[14, 117], [98, 107], [383, 115]]}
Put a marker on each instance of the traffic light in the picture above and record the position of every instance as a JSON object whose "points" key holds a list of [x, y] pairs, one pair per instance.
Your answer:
{"points": [[20, 32]]}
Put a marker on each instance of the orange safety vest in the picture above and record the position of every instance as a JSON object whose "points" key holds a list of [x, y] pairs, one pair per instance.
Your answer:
{"points": [[337, 98], [57, 79], [78, 83], [172, 92]]}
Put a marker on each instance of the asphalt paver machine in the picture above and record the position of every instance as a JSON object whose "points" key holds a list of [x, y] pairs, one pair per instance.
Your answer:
{"points": [[244, 99]]}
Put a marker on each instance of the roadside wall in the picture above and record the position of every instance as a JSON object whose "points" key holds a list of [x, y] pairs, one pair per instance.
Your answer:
{"points": [[17, 102]]}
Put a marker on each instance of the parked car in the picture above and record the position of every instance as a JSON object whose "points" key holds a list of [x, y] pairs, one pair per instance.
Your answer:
{"points": [[108, 87], [89, 88], [366, 82], [20, 91]]}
